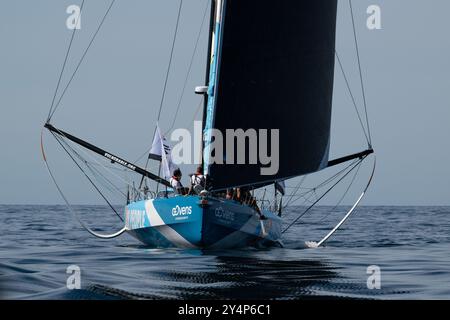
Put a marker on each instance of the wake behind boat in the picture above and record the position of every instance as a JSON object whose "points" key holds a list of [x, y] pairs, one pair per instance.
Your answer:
{"points": [[269, 82]]}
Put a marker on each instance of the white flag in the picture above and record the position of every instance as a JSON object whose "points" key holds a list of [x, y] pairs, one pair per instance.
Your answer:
{"points": [[155, 151], [160, 144]]}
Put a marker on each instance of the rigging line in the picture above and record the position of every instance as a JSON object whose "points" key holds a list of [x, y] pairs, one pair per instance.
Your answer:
{"points": [[148, 150], [87, 176], [344, 195], [321, 197], [306, 200], [143, 155], [353, 208], [96, 173], [329, 180], [111, 236], [303, 195], [88, 155], [323, 183], [82, 58], [198, 109], [163, 96], [107, 183], [64, 63], [314, 203], [297, 187], [170, 60], [61, 140], [315, 193], [326, 182], [306, 195], [360, 73], [190, 66], [62, 143], [311, 191], [91, 167], [352, 97]]}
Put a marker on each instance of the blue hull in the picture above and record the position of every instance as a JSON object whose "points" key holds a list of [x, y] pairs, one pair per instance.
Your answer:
{"points": [[186, 223]]}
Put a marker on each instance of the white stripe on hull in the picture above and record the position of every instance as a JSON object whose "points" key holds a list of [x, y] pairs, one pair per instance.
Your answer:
{"points": [[170, 234]]}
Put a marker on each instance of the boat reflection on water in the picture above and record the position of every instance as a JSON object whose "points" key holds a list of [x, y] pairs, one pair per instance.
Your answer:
{"points": [[249, 278], [236, 277]]}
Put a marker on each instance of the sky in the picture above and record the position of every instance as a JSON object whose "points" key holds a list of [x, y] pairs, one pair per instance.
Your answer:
{"points": [[115, 97]]}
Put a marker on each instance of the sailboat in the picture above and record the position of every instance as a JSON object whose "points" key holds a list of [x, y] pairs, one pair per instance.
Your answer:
{"points": [[270, 66]]}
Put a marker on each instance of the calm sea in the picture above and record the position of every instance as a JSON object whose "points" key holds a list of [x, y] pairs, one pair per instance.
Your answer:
{"points": [[409, 245]]}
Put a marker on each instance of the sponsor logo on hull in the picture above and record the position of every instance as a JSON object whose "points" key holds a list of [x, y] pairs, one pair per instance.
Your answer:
{"points": [[223, 214], [181, 211]]}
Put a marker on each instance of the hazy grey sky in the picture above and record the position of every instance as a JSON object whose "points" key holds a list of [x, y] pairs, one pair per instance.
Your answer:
{"points": [[115, 97]]}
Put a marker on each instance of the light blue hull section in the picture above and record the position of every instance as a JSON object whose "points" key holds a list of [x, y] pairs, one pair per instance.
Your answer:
{"points": [[184, 222]]}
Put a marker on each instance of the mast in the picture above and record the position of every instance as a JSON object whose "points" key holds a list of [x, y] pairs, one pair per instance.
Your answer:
{"points": [[212, 20], [209, 58], [213, 68]]}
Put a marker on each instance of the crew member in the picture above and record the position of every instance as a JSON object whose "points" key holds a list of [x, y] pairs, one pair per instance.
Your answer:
{"points": [[198, 182], [175, 182]]}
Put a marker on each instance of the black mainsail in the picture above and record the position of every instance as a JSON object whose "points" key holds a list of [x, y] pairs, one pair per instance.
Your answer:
{"points": [[275, 71]]}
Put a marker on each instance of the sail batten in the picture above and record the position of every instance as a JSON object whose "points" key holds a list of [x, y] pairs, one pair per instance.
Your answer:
{"points": [[275, 72]]}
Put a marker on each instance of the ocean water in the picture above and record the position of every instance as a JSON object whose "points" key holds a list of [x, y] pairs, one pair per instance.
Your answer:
{"points": [[409, 245]]}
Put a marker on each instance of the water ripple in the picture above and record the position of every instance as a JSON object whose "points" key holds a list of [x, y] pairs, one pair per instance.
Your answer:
{"points": [[409, 244]]}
